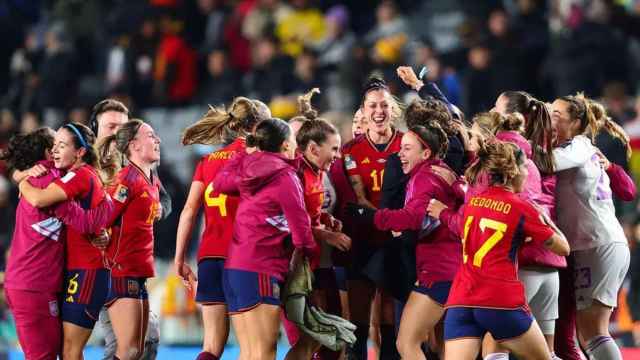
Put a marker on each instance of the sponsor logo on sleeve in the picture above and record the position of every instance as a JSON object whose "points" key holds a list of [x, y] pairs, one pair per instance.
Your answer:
{"points": [[121, 193]]}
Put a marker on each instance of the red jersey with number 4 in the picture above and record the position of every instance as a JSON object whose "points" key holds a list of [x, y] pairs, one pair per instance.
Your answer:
{"points": [[137, 206], [83, 185], [496, 224], [362, 157], [219, 209]]}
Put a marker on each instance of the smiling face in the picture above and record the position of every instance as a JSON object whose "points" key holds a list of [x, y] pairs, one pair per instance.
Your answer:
{"points": [[359, 125], [145, 146], [377, 111], [65, 154], [328, 152], [412, 152], [565, 127]]}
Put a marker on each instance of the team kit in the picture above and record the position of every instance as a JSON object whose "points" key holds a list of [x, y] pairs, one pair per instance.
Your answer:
{"points": [[465, 236]]}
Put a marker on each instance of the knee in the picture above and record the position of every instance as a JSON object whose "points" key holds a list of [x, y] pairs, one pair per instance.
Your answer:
{"points": [[405, 346]]}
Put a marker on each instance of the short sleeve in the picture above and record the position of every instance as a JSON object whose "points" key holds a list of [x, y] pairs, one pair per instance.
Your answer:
{"points": [[74, 183], [534, 226], [198, 175]]}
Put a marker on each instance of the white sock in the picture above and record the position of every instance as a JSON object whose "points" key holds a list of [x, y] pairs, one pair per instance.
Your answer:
{"points": [[554, 356], [603, 348], [497, 356]]}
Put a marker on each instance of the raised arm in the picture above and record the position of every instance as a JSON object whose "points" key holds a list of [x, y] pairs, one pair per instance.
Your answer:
{"points": [[573, 154]]}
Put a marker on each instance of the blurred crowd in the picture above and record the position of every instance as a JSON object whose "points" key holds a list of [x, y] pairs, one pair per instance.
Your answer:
{"points": [[59, 57]]}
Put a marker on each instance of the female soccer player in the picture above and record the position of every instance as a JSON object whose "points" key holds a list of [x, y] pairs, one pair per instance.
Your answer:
{"points": [[229, 127], [364, 160], [587, 216], [271, 215], [437, 253], [135, 191], [35, 265], [319, 144], [486, 295], [87, 280]]}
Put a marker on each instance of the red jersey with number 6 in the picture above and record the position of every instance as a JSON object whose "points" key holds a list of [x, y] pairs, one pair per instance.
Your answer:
{"points": [[137, 206], [219, 209], [496, 224], [363, 157], [83, 185]]}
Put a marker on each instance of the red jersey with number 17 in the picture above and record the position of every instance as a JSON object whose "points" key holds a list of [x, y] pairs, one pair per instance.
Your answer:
{"points": [[363, 157], [83, 185], [219, 209], [137, 206], [496, 224]]}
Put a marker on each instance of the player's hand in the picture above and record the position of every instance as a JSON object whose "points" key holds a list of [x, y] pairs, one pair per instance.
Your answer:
{"points": [[189, 279], [332, 223], [604, 162], [435, 208], [445, 174], [396, 234], [338, 240], [101, 241], [36, 171], [409, 77]]}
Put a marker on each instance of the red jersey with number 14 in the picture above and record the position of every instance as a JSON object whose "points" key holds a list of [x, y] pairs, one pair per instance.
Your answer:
{"points": [[496, 224], [362, 157], [83, 185], [219, 209], [137, 206]]}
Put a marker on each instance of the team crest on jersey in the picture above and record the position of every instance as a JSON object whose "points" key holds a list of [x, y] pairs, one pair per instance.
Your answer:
{"points": [[349, 163], [133, 287], [366, 161], [53, 308], [65, 179], [121, 193], [144, 195]]}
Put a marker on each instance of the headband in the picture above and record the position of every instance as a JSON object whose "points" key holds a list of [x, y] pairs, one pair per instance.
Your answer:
{"points": [[78, 134], [424, 143]]}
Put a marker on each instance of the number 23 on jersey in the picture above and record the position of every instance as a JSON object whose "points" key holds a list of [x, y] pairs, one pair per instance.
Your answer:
{"points": [[495, 230]]}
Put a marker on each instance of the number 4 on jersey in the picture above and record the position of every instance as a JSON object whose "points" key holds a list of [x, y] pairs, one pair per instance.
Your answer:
{"points": [[218, 201]]}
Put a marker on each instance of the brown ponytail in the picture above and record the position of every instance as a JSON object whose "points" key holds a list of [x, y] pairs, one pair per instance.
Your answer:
{"points": [[313, 128], [580, 109], [512, 122], [605, 123], [498, 159], [219, 125], [110, 161], [538, 129]]}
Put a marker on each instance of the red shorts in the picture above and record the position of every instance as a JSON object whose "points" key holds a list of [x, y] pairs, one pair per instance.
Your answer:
{"points": [[38, 323]]}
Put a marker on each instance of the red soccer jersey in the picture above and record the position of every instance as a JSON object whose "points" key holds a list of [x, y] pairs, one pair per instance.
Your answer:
{"points": [[362, 157], [84, 186], [137, 207], [219, 209], [313, 191], [496, 223]]}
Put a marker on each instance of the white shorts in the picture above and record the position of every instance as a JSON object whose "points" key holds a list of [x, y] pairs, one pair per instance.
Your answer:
{"points": [[542, 286], [599, 273]]}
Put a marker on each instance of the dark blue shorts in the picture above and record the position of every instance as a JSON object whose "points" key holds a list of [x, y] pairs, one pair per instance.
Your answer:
{"points": [[438, 291], [210, 287], [341, 277], [244, 290], [85, 294], [127, 287], [462, 322]]}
